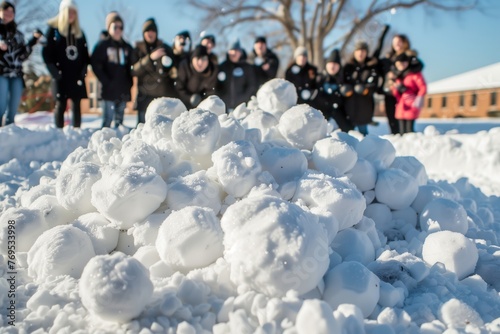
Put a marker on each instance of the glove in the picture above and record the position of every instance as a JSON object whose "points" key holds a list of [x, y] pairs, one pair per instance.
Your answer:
{"points": [[419, 102], [195, 99]]}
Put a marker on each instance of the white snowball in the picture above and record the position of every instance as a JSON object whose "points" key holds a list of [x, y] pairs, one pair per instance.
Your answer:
{"points": [[166, 106], [405, 216], [458, 253], [139, 153], [354, 245], [126, 195], [351, 282], [396, 188], [145, 233], [413, 167], [363, 175], [214, 104], [345, 137], [398, 319], [381, 215], [194, 190], [158, 126], [237, 167], [350, 317], [62, 250], [377, 150], [457, 314], [74, 186], [147, 255], [80, 155], [302, 126], [196, 132], [264, 122], [230, 130], [444, 214], [316, 316], [190, 238], [288, 247], [333, 157], [426, 194], [338, 195], [53, 212], [126, 243], [327, 218], [276, 96], [28, 197], [285, 164], [115, 287], [26, 224], [104, 237], [104, 142]]}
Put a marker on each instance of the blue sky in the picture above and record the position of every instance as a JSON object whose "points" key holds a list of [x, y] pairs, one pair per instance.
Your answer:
{"points": [[448, 43]]}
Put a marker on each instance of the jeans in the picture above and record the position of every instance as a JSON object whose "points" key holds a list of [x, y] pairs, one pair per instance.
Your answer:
{"points": [[112, 108], [11, 90]]}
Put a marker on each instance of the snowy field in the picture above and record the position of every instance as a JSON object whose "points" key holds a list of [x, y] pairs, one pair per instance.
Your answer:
{"points": [[266, 221]]}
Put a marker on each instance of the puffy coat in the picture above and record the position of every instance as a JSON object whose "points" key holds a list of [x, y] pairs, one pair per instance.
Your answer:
{"points": [[407, 90], [304, 79], [194, 86], [236, 83], [269, 58]]}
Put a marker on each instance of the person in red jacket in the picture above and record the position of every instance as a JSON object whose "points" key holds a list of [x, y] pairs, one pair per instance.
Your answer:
{"points": [[409, 89]]}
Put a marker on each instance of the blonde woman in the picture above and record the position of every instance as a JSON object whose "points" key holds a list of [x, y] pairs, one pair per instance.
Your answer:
{"points": [[67, 57]]}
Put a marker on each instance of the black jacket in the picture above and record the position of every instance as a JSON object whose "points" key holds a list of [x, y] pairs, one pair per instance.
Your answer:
{"points": [[305, 81], [153, 77], [17, 52], [67, 67], [236, 83], [112, 64], [193, 86], [269, 58]]}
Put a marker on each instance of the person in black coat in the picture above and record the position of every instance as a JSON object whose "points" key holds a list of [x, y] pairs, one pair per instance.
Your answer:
{"points": [[208, 41], [265, 61], [303, 75], [196, 77], [67, 58], [152, 69], [112, 61], [236, 80], [330, 100]]}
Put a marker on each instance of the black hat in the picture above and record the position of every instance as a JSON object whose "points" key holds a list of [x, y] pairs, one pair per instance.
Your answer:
{"points": [[235, 45], [361, 45], [210, 37], [199, 52], [5, 4], [184, 34], [402, 57], [334, 57], [260, 39], [149, 25]]}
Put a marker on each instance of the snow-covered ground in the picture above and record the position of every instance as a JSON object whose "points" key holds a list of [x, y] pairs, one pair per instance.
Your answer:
{"points": [[264, 221]]}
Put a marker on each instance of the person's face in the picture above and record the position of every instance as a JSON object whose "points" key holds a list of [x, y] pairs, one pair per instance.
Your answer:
{"points": [[7, 15], [71, 15], [179, 42], [398, 44], [150, 36], [332, 68], [402, 65], [301, 60], [207, 42], [234, 55], [260, 48], [200, 64], [116, 30], [360, 55]]}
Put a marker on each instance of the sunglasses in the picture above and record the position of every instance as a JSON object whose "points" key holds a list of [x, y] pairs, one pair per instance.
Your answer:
{"points": [[118, 27]]}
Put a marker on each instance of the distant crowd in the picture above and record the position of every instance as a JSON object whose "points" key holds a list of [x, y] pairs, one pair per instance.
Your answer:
{"points": [[344, 92]]}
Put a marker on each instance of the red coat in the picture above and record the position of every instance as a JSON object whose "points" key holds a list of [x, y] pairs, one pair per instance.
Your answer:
{"points": [[415, 87]]}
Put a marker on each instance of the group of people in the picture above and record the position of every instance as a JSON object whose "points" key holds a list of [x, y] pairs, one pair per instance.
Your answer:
{"points": [[344, 92]]}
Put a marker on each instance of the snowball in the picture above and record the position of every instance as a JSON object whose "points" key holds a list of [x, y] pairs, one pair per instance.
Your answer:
{"points": [[354, 245], [115, 287], [284, 164], [230, 130], [302, 126], [214, 104], [426, 194], [345, 137], [147, 255], [190, 238], [444, 214], [276, 96], [196, 132], [338, 195], [145, 233], [350, 282], [396, 188], [412, 167], [126, 195], [62, 250], [327, 218], [405, 216], [454, 250], [288, 247], [74, 186], [363, 175], [26, 224], [79, 155], [237, 166], [457, 314], [381, 215], [194, 190], [167, 106], [316, 316], [158, 127], [377, 150], [53, 212], [104, 237], [264, 122], [333, 157]]}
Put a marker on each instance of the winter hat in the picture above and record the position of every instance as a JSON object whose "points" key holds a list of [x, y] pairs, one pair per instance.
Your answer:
{"points": [[260, 39], [199, 52], [334, 57], [236, 45], [149, 25], [402, 57], [5, 4], [361, 45], [113, 17], [300, 51], [209, 37], [65, 4], [184, 34]]}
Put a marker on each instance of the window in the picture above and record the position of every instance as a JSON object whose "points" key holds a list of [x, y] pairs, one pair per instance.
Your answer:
{"points": [[429, 102], [473, 100], [443, 102], [461, 102], [493, 98]]}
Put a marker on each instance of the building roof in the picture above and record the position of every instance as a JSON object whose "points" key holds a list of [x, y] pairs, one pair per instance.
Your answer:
{"points": [[481, 78]]}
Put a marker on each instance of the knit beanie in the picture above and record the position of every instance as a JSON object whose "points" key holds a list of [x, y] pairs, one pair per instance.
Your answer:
{"points": [[235, 45], [209, 37], [5, 4], [402, 57], [184, 34], [260, 39], [334, 57], [150, 25], [113, 17], [300, 51], [67, 4], [199, 52], [361, 45]]}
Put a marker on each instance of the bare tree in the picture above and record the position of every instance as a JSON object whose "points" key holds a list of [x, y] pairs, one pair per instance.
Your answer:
{"points": [[311, 22]]}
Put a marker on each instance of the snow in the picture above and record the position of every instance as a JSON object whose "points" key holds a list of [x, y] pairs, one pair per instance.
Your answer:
{"points": [[257, 221]]}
